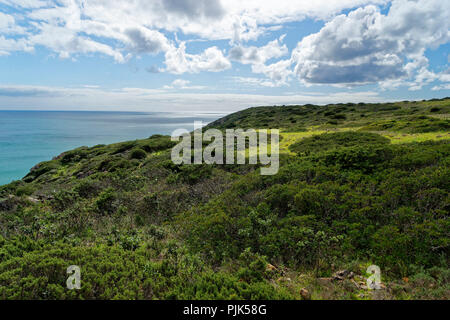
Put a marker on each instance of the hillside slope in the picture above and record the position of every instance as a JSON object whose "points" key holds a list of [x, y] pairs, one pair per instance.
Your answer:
{"points": [[359, 184]]}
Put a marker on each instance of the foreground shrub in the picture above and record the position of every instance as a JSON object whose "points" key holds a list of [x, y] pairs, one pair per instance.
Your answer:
{"points": [[329, 141], [138, 154]]}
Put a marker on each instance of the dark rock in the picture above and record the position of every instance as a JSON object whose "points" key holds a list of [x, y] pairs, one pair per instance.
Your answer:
{"points": [[60, 156], [343, 274], [306, 295], [29, 178], [44, 197], [7, 204], [271, 267], [33, 200], [82, 175]]}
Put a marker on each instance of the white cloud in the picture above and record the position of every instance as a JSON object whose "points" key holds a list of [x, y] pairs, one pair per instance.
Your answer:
{"points": [[143, 40], [193, 9], [281, 11], [6, 21], [247, 20], [182, 84], [9, 26], [441, 87], [277, 72], [153, 69], [178, 61], [66, 43], [140, 24], [9, 45], [143, 99], [27, 4], [444, 77], [256, 82], [258, 55], [423, 77], [366, 46]]}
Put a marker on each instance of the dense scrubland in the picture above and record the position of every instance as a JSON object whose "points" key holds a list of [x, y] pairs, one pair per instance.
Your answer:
{"points": [[359, 184]]}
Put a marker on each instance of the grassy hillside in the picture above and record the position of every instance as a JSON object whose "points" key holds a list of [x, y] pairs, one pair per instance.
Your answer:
{"points": [[359, 184]]}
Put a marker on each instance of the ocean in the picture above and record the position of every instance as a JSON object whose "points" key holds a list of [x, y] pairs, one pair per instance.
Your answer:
{"points": [[29, 137]]}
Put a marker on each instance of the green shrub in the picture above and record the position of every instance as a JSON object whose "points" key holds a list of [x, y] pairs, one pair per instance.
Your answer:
{"points": [[106, 273], [362, 158], [123, 147], [329, 141], [192, 173], [339, 116], [87, 188], [63, 199], [138, 154], [41, 169], [158, 143], [281, 198], [415, 124], [25, 190], [347, 199], [106, 201], [309, 201], [73, 156]]}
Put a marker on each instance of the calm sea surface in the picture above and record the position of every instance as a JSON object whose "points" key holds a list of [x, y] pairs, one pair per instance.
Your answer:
{"points": [[29, 137]]}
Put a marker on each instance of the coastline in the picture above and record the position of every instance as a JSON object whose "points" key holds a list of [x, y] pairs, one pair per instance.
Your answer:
{"points": [[30, 137]]}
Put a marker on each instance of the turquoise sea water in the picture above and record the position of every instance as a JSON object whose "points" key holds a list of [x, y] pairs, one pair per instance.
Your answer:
{"points": [[29, 137]]}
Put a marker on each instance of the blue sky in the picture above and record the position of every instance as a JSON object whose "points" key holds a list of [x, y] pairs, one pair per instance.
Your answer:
{"points": [[220, 56]]}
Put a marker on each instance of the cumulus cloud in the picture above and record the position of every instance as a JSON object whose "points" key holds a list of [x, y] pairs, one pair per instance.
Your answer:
{"points": [[195, 8], [366, 46], [27, 4], [258, 55], [6, 22], [153, 69], [9, 26], [277, 72], [444, 77], [178, 61], [143, 40], [66, 43], [140, 24], [441, 87], [363, 46], [10, 45], [180, 83]]}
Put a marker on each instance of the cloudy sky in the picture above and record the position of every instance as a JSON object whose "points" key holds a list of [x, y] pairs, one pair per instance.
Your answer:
{"points": [[220, 55]]}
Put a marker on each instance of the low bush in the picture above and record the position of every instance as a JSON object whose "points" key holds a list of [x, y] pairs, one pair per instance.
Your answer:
{"points": [[138, 154]]}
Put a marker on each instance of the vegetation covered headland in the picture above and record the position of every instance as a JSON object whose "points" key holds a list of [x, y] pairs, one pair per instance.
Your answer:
{"points": [[358, 185]]}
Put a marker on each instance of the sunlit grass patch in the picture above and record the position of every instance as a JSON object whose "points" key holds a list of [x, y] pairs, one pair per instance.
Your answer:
{"points": [[261, 147], [445, 116], [397, 138], [289, 138]]}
